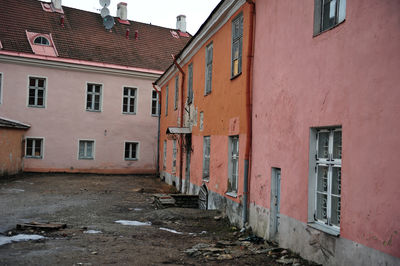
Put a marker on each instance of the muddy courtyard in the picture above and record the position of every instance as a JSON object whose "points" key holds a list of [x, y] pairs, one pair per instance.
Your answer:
{"points": [[112, 220]]}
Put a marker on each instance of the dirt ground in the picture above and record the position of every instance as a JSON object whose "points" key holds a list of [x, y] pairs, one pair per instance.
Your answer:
{"points": [[176, 236]]}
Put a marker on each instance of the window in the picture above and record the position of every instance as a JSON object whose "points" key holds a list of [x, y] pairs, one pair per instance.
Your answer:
{"points": [[328, 14], [129, 101], [93, 99], [37, 92], [34, 148], [206, 158], [131, 150], [233, 166], [209, 61], [1, 88], [165, 155], [174, 150], [237, 45], [41, 40], [326, 177], [190, 84], [154, 103], [166, 101], [201, 121], [176, 92], [86, 149]]}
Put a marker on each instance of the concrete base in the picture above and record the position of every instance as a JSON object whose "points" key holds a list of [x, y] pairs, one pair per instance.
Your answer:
{"points": [[316, 245], [229, 208]]}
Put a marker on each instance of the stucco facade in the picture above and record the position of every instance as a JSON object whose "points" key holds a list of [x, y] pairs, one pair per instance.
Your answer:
{"points": [[64, 120], [208, 114], [345, 78]]}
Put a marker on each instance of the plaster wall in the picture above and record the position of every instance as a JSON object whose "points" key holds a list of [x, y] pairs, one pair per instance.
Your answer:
{"points": [[65, 120], [347, 76], [11, 151], [224, 111]]}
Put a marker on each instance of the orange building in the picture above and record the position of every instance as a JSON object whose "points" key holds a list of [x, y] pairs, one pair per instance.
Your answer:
{"points": [[205, 113]]}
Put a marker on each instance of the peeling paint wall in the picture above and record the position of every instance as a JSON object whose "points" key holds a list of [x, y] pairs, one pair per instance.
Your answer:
{"points": [[11, 151], [223, 112], [345, 76]]}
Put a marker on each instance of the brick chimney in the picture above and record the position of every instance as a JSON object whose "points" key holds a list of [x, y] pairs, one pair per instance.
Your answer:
{"points": [[181, 23], [122, 11], [56, 4]]}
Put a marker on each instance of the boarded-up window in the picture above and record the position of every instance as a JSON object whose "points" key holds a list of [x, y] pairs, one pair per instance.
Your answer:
{"points": [[190, 83], [206, 158], [209, 66], [237, 45]]}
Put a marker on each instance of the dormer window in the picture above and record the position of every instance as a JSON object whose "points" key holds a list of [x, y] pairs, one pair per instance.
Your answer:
{"points": [[42, 43], [41, 40]]}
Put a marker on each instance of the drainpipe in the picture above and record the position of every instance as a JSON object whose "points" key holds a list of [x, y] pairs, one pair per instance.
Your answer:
{"points": [[158, 128], [181, 123], [249, 71]]}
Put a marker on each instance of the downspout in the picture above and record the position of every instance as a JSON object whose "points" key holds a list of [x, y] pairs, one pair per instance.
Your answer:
{"points": [[158, 128], [249, 71], [181, 124]]}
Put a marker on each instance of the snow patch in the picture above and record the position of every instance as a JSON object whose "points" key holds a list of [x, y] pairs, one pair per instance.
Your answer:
{"points": [[171, 230], [92, 232], [17, 238], [134, 223]]}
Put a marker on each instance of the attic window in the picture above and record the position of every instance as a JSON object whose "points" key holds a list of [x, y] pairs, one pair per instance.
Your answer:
{"points": [[41, 40]]}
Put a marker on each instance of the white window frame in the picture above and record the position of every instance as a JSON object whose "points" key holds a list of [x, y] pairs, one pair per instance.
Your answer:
{"points": [[36, 92], [91, 109], [1, 86], [85, 157], [233, 175], [314, 164], [41, 38], [130, 98], [176, 98], [206, 158], [174, 154], [130, 151], [339, 14], [41, 156], [155, 101], [165, 155], [237, 40], [209, 68]]}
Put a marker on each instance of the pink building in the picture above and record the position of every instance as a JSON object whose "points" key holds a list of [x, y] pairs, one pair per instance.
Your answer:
{"points": [[84, 87], [326, 120]]}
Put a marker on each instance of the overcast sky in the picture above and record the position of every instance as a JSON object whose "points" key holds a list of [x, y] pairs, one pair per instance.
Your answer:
{"points": [[157, 12]]}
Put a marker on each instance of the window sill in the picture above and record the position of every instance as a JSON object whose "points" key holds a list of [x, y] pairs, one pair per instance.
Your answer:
{"points": [[131, 159], [36, 106], [208, 93], [33, 157], [328, 29], [124, 113], [94, 111], [232, 194], [206, 180], [86, 158], [154, 115], [324, 228], [237, 75]]}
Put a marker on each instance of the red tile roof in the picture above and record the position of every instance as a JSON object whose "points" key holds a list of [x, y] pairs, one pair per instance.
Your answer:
{"points": [[84, 37]]}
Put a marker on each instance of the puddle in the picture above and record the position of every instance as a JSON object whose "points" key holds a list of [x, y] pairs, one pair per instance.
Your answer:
{"points": [[171, 231], [17, 238], [92, 232], [134, 223]]}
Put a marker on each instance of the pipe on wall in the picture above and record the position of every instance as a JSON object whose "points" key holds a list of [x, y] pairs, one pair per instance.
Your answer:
{"points": [[181, 123], [249, 102]]}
